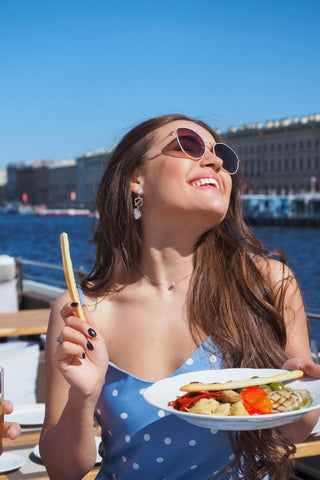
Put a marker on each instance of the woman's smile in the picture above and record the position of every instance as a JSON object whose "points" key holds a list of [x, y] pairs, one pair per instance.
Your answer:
{"points": [[210, 183]]}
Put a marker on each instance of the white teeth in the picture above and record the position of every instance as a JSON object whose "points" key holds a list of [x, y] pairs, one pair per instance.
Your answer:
{"points": [[206, 181]]}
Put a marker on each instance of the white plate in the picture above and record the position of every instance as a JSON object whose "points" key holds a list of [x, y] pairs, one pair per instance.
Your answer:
{"points": [[36, 452], [164, 391], [10, 461], [27, 415]]}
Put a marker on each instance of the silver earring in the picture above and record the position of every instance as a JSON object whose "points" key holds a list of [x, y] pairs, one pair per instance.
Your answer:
{"points": [[138, 202]]}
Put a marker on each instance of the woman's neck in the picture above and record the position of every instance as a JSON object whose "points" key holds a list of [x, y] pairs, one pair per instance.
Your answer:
{"points": [[166, 267]]}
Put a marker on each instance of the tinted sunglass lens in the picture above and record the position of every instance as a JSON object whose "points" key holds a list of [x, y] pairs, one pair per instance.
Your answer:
{"points": [[191, 143], [228, 156]]}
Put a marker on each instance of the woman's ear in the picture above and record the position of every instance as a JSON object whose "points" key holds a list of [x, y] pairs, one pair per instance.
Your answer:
{"points": [[136, 182]]}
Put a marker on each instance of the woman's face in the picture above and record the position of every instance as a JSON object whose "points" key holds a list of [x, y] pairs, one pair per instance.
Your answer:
{"points": [[177, 187]]}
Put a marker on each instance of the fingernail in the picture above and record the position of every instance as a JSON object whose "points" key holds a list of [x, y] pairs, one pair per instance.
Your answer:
{"points": [[83, 355], [91, 332], [89, 345], [74, 304]]}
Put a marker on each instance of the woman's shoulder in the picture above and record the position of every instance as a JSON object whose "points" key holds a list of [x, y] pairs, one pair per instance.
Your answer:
{"points": [[91, 302], [272, 269]]}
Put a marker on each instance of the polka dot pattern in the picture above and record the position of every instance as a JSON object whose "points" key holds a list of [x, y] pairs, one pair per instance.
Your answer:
{"points": [[213, 358], [144, 442]]}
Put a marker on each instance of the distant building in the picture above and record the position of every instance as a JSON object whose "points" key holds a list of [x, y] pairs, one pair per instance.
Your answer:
{"points": [[89, 171], [43, 183], [28, 182], [62, 184], [3, 184], [280, 157]]}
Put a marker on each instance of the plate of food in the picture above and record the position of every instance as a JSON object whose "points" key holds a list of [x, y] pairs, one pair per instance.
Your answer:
{"points": [[27, 415], [237, 398]]}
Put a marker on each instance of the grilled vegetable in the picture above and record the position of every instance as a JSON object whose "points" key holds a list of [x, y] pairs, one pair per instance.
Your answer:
{"points": [[287, 401]]}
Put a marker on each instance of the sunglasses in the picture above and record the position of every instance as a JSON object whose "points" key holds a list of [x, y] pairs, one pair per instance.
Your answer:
{"points": [[194, 147]]}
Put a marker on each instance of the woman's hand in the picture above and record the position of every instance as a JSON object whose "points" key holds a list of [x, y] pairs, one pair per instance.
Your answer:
{"points": [[310, 368], [10, 429], [81, 354], [300, 430]]}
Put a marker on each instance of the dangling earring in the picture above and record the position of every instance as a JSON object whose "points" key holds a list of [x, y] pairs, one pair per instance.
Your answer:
{"points": [[138, 202]]}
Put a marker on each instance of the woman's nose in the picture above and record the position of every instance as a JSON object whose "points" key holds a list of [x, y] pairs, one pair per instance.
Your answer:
{"points": [[210, 158]]}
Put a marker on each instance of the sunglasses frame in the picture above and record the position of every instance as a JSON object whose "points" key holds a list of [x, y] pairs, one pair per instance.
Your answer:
{"points": [[210, 145]]}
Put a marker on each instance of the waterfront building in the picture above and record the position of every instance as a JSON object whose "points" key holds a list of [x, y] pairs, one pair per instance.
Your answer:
{"points": [[3, 183], [279, 157], [89, 171], [28, 182], [42, 183], [62, 188]]}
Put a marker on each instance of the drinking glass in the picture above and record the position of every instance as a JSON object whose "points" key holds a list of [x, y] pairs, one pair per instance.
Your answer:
{"points": [[1, 405]]}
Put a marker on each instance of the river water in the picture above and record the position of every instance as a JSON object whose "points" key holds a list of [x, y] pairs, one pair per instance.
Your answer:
{"points": [[37, 238]]}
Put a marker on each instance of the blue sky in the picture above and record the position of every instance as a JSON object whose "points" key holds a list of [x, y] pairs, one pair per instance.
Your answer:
{"points": [[76, 75]]}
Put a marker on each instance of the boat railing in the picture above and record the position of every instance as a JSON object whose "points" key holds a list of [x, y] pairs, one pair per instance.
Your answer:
{"points": [[80, 273], [57, 280]]}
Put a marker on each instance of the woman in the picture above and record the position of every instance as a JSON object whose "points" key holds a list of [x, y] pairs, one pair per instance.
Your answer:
{"points": [[11, 430], [179, 284]]}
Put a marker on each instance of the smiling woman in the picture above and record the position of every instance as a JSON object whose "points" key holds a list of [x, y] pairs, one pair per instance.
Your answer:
{"points": [[177, 160], [180, 284]]}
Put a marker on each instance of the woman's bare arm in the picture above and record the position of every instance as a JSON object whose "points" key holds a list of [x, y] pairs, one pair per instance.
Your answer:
{"points": [[298, 341], [74, 378]]}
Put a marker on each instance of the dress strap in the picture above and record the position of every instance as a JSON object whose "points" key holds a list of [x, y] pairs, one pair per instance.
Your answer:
{"points": [[81, 294]]}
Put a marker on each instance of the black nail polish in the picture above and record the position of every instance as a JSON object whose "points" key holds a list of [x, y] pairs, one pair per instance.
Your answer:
{"points": [[89, 345], [74, 304], [83, 355], [91, 332]]}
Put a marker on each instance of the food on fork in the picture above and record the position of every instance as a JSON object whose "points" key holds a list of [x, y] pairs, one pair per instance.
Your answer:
{"points": [[254, 396], [69, 275]]}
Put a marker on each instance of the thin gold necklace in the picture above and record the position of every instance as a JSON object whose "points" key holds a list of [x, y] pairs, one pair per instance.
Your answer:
{"points": [[171, 285]]}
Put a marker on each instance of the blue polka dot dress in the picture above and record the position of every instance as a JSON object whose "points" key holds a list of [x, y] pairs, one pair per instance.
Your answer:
{"points": [[140, 442]]}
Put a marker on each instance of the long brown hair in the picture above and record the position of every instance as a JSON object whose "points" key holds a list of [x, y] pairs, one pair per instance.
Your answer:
{"points": [[228, 299]]}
